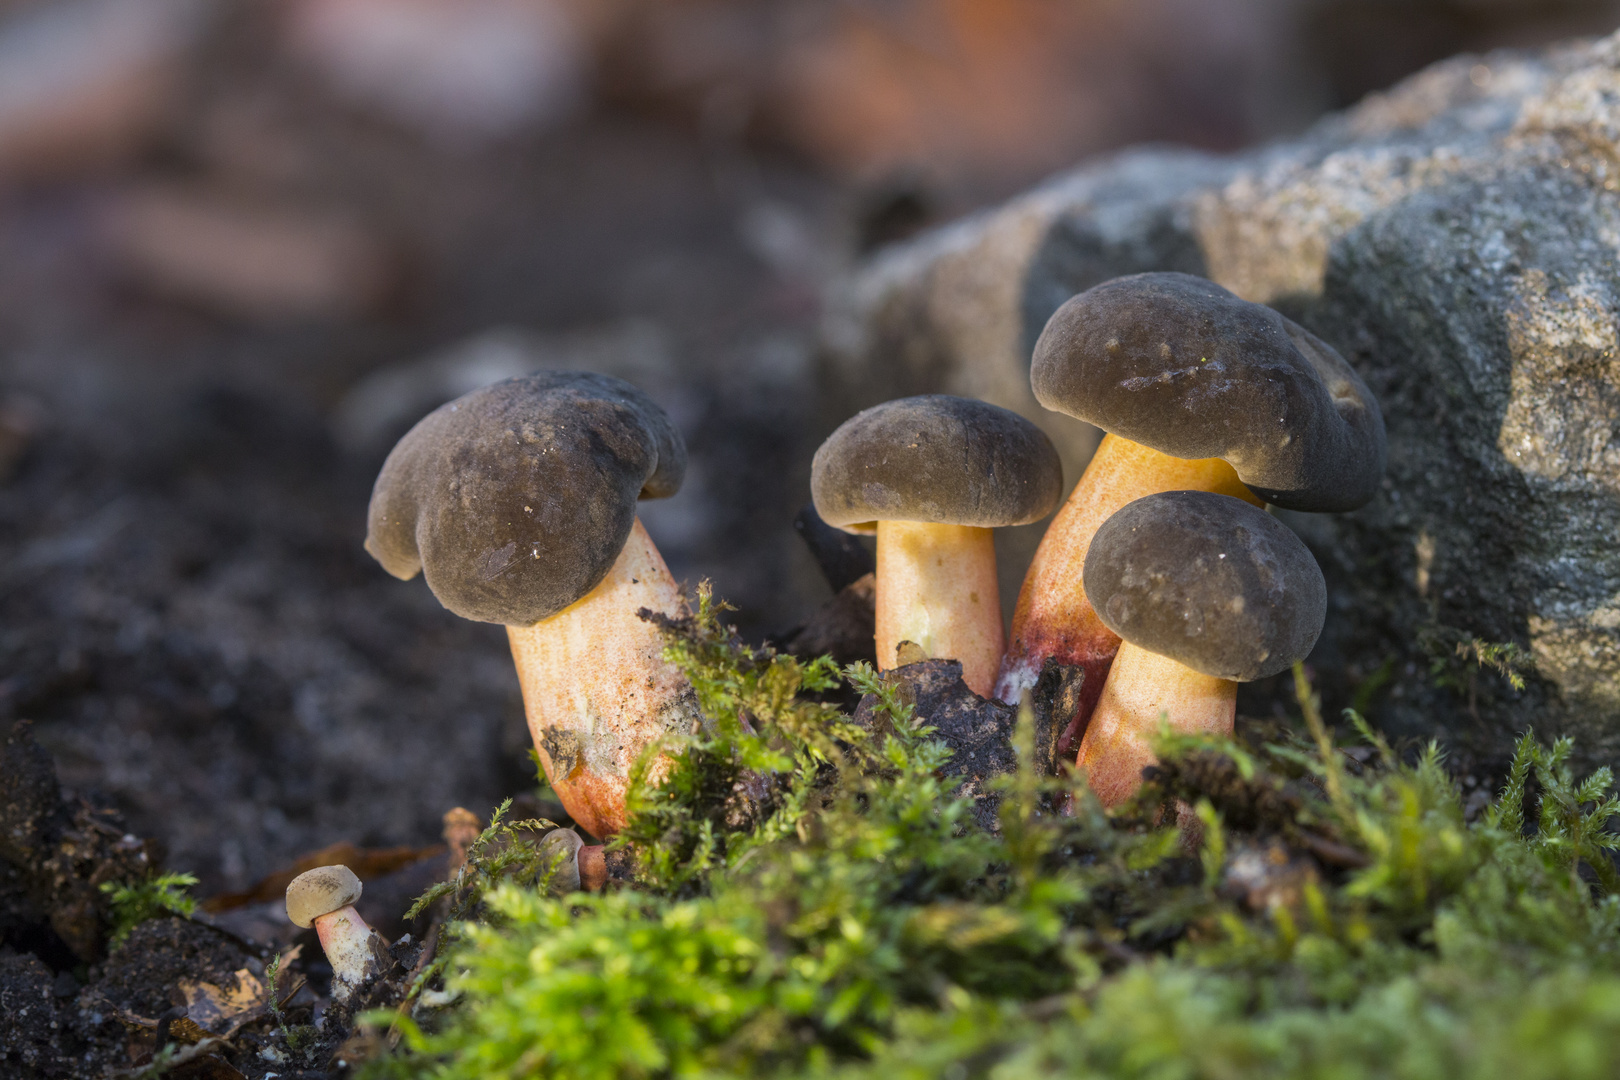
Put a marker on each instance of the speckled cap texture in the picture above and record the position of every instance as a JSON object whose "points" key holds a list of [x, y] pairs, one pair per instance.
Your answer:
{"points": [[1209, 581], [320, 891], [935, 458], [515, 500], [1179, 364]]}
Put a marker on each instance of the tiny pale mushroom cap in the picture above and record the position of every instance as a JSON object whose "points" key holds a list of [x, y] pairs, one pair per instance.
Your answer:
{"points": [[1209, 581], [515, 500], [938, 459], [1177, 363], [320, 891]]}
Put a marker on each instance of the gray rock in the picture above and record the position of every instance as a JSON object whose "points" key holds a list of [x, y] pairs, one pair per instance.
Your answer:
{"points": [[1456, 238], [980, 732]]}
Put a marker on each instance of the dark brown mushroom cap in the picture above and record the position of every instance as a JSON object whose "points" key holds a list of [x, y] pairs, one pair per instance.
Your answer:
{"points": [[515, 500], [1179, 364], [935, 458], [1209, 581]]}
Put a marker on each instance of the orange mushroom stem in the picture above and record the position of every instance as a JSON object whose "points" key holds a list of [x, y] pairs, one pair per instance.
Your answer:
{"points": [[1144, 689], [593, 871], [1053, 618]]}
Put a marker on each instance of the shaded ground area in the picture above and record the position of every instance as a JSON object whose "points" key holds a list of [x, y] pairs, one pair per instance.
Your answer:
{"points": [[190, 618]]}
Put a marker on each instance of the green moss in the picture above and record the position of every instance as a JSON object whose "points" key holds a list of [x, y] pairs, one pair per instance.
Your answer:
{"points": [[813, 901], [131, 905]]}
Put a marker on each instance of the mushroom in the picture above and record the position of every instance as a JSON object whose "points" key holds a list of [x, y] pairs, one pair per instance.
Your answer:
{"points": [[559, 851], [517, 502], [1197, 389], [1207, 592], [324, 897], [932, 476], [574, 864]]}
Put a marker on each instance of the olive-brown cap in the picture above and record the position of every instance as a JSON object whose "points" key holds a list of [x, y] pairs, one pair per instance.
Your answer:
{"points": [[935, 458], [515, 500], [563, 846], [1209, 581], [1179, 364], [320, 891]]}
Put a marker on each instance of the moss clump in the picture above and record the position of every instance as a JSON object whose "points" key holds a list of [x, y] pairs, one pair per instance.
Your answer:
{"points": [[813, 900], [160, 894]]}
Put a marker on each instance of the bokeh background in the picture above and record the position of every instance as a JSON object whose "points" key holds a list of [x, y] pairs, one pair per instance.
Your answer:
{"points": [[243, 246]]}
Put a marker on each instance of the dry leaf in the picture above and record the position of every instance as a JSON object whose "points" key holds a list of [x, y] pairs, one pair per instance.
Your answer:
{"points": [[367, 863], [223, 1010]]}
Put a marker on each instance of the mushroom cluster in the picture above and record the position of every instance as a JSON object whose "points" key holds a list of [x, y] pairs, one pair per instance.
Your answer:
{"points": [[1213, 408], [1196, 390], [1162, 577]]}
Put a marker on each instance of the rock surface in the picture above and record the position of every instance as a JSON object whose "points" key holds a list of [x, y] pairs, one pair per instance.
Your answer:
{"points": [[981, 731], [1456, 239]]}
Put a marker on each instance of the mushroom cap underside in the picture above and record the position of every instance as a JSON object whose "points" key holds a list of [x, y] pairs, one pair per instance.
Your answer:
{"points": [[1177, 363], [939, 459], [320, 891], [1209, 581], [515, 500]]}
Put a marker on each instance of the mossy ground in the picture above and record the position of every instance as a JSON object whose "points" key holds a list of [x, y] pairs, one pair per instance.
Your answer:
{"points": [[810, 900]]}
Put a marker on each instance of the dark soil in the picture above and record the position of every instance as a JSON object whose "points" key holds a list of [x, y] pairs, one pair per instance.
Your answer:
{"points": [[139, 975], [190, 621]]}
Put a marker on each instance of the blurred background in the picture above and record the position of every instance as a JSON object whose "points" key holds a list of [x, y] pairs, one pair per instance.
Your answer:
{"points": [[243, 246]]}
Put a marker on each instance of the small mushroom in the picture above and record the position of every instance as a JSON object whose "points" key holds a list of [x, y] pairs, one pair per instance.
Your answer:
{"points": [[1206, 592], [559, 850], [577, 864], [517, 502], [324, 897], [933, 476], [1197, 390]]}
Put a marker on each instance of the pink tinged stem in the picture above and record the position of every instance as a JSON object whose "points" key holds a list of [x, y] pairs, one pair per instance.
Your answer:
{"points": [[593, 873], [347, 942], [597, 690]]}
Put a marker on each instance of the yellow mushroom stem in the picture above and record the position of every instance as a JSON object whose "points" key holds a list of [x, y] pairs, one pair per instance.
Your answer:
{"points": [[1144, 688], [597, 690], [936, 587], [1053, 617]]}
